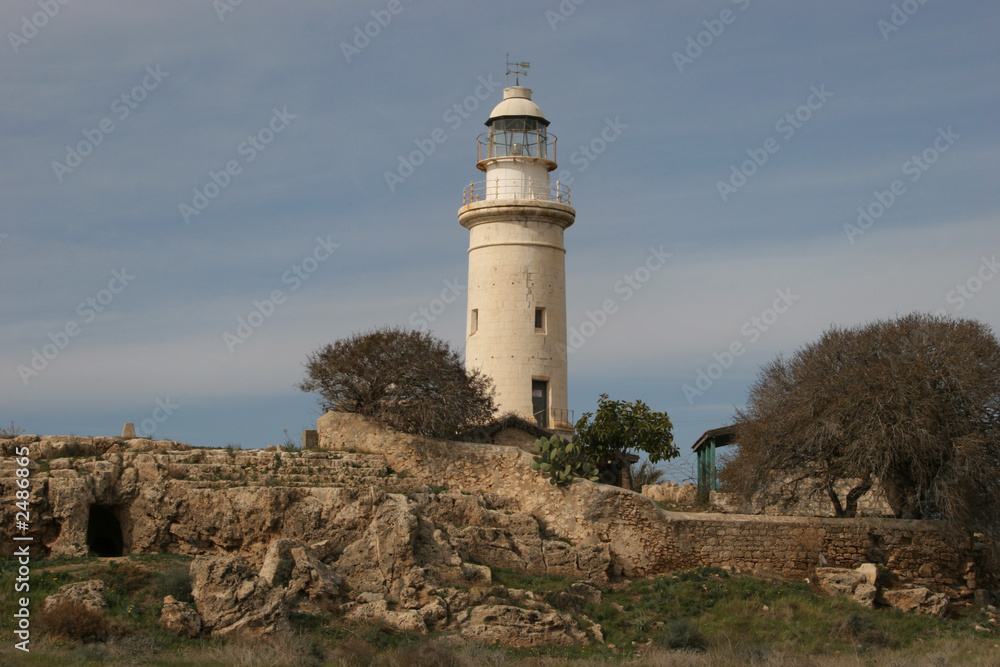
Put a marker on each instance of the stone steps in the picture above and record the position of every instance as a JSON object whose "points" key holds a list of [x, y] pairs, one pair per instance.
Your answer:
{"points": [[213, 468]]}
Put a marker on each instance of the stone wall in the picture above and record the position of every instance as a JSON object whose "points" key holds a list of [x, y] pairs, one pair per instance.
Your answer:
{"points": [[645, 540], [815, 503]]}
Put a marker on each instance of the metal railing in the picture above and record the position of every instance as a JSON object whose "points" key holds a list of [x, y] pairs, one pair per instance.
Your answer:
{"points": [[516, 188], [556, 418], [531, 143]]}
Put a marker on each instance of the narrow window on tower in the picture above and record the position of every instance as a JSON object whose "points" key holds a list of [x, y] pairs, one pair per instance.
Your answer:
{"points": [[539, 320], [474, 321]]}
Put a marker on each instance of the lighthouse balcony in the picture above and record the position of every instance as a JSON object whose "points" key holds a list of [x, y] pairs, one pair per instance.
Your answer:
{"points": [[516, 188]]}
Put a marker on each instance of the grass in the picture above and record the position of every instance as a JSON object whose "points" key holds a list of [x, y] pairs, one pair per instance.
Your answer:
{"points": [[11, 432], [694, 618], [289, 445]]}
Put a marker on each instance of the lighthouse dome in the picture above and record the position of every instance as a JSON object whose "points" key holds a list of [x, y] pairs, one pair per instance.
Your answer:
{"points": [[517, 103]]}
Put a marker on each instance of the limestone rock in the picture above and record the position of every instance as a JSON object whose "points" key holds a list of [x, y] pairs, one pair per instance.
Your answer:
{"points": [[180, 618], [869, 571], [587, 593], [839, 580], [312, 577], [519, 627], [278, 563], [374, 608], [671, 492], [230, 596], [865, 593], [918, 599], [90, 593]]}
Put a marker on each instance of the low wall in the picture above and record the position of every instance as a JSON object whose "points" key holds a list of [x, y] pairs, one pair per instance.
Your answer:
{"points": [[645, 540]]}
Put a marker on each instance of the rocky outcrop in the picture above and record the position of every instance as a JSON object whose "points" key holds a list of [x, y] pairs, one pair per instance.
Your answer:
{"points": [[89, 593], [401, 590], [862, 585], [520, 627], [180, 618], [917, 599], [404, 530], [858, 583], [671, 492], [229, 596]]}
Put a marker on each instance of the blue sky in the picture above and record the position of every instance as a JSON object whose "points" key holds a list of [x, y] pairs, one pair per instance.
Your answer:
{"points": [[748, 134]]}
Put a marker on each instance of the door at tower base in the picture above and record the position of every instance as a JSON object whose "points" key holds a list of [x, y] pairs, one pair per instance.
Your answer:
{"points": [[540, 402]]}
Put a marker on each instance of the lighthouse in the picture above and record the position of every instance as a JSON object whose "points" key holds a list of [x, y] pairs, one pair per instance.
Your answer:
{"points": [[516, 216]]}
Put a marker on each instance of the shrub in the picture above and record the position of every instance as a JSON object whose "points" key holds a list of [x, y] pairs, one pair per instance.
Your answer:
{"points": [[682, 634], [863, 629], [72, 619], [408, 380], [561, 461], [176, 581], [427, 654], [11, 432]]}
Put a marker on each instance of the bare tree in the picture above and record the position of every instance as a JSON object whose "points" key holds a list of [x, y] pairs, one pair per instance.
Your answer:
{"points": [[407, 379], [911, 404]]}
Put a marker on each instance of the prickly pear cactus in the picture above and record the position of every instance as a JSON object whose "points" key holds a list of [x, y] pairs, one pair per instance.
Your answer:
{"points": [[561, 461]]}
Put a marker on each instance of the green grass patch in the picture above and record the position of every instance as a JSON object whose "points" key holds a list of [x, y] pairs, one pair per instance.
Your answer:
{"points": [[532, 581]]}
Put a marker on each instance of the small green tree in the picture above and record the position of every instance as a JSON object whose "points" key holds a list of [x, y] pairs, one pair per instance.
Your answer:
{"points": [[618, 428]]}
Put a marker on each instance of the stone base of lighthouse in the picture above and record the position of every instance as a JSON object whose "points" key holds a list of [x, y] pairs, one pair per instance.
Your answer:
{"points": [[517, 304]]}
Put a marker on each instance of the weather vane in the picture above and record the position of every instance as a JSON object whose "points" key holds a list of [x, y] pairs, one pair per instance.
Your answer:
{"points": [[517, 69]]}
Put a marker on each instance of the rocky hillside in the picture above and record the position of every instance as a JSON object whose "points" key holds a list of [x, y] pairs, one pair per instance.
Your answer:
{"points": [[403, 531]]}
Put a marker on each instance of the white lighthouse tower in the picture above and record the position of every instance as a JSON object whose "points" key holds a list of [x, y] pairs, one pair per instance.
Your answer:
{"points": [[517, 263]]}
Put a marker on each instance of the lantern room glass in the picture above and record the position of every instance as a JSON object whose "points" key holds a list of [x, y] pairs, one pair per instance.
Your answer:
{"points": [[518, 137]]}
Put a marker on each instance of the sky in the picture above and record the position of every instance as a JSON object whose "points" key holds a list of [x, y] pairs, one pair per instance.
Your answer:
{"points": [[197, 194]]}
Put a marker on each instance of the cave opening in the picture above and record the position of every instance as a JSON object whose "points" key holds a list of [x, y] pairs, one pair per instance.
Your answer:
{"points": [[104, 532]]}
